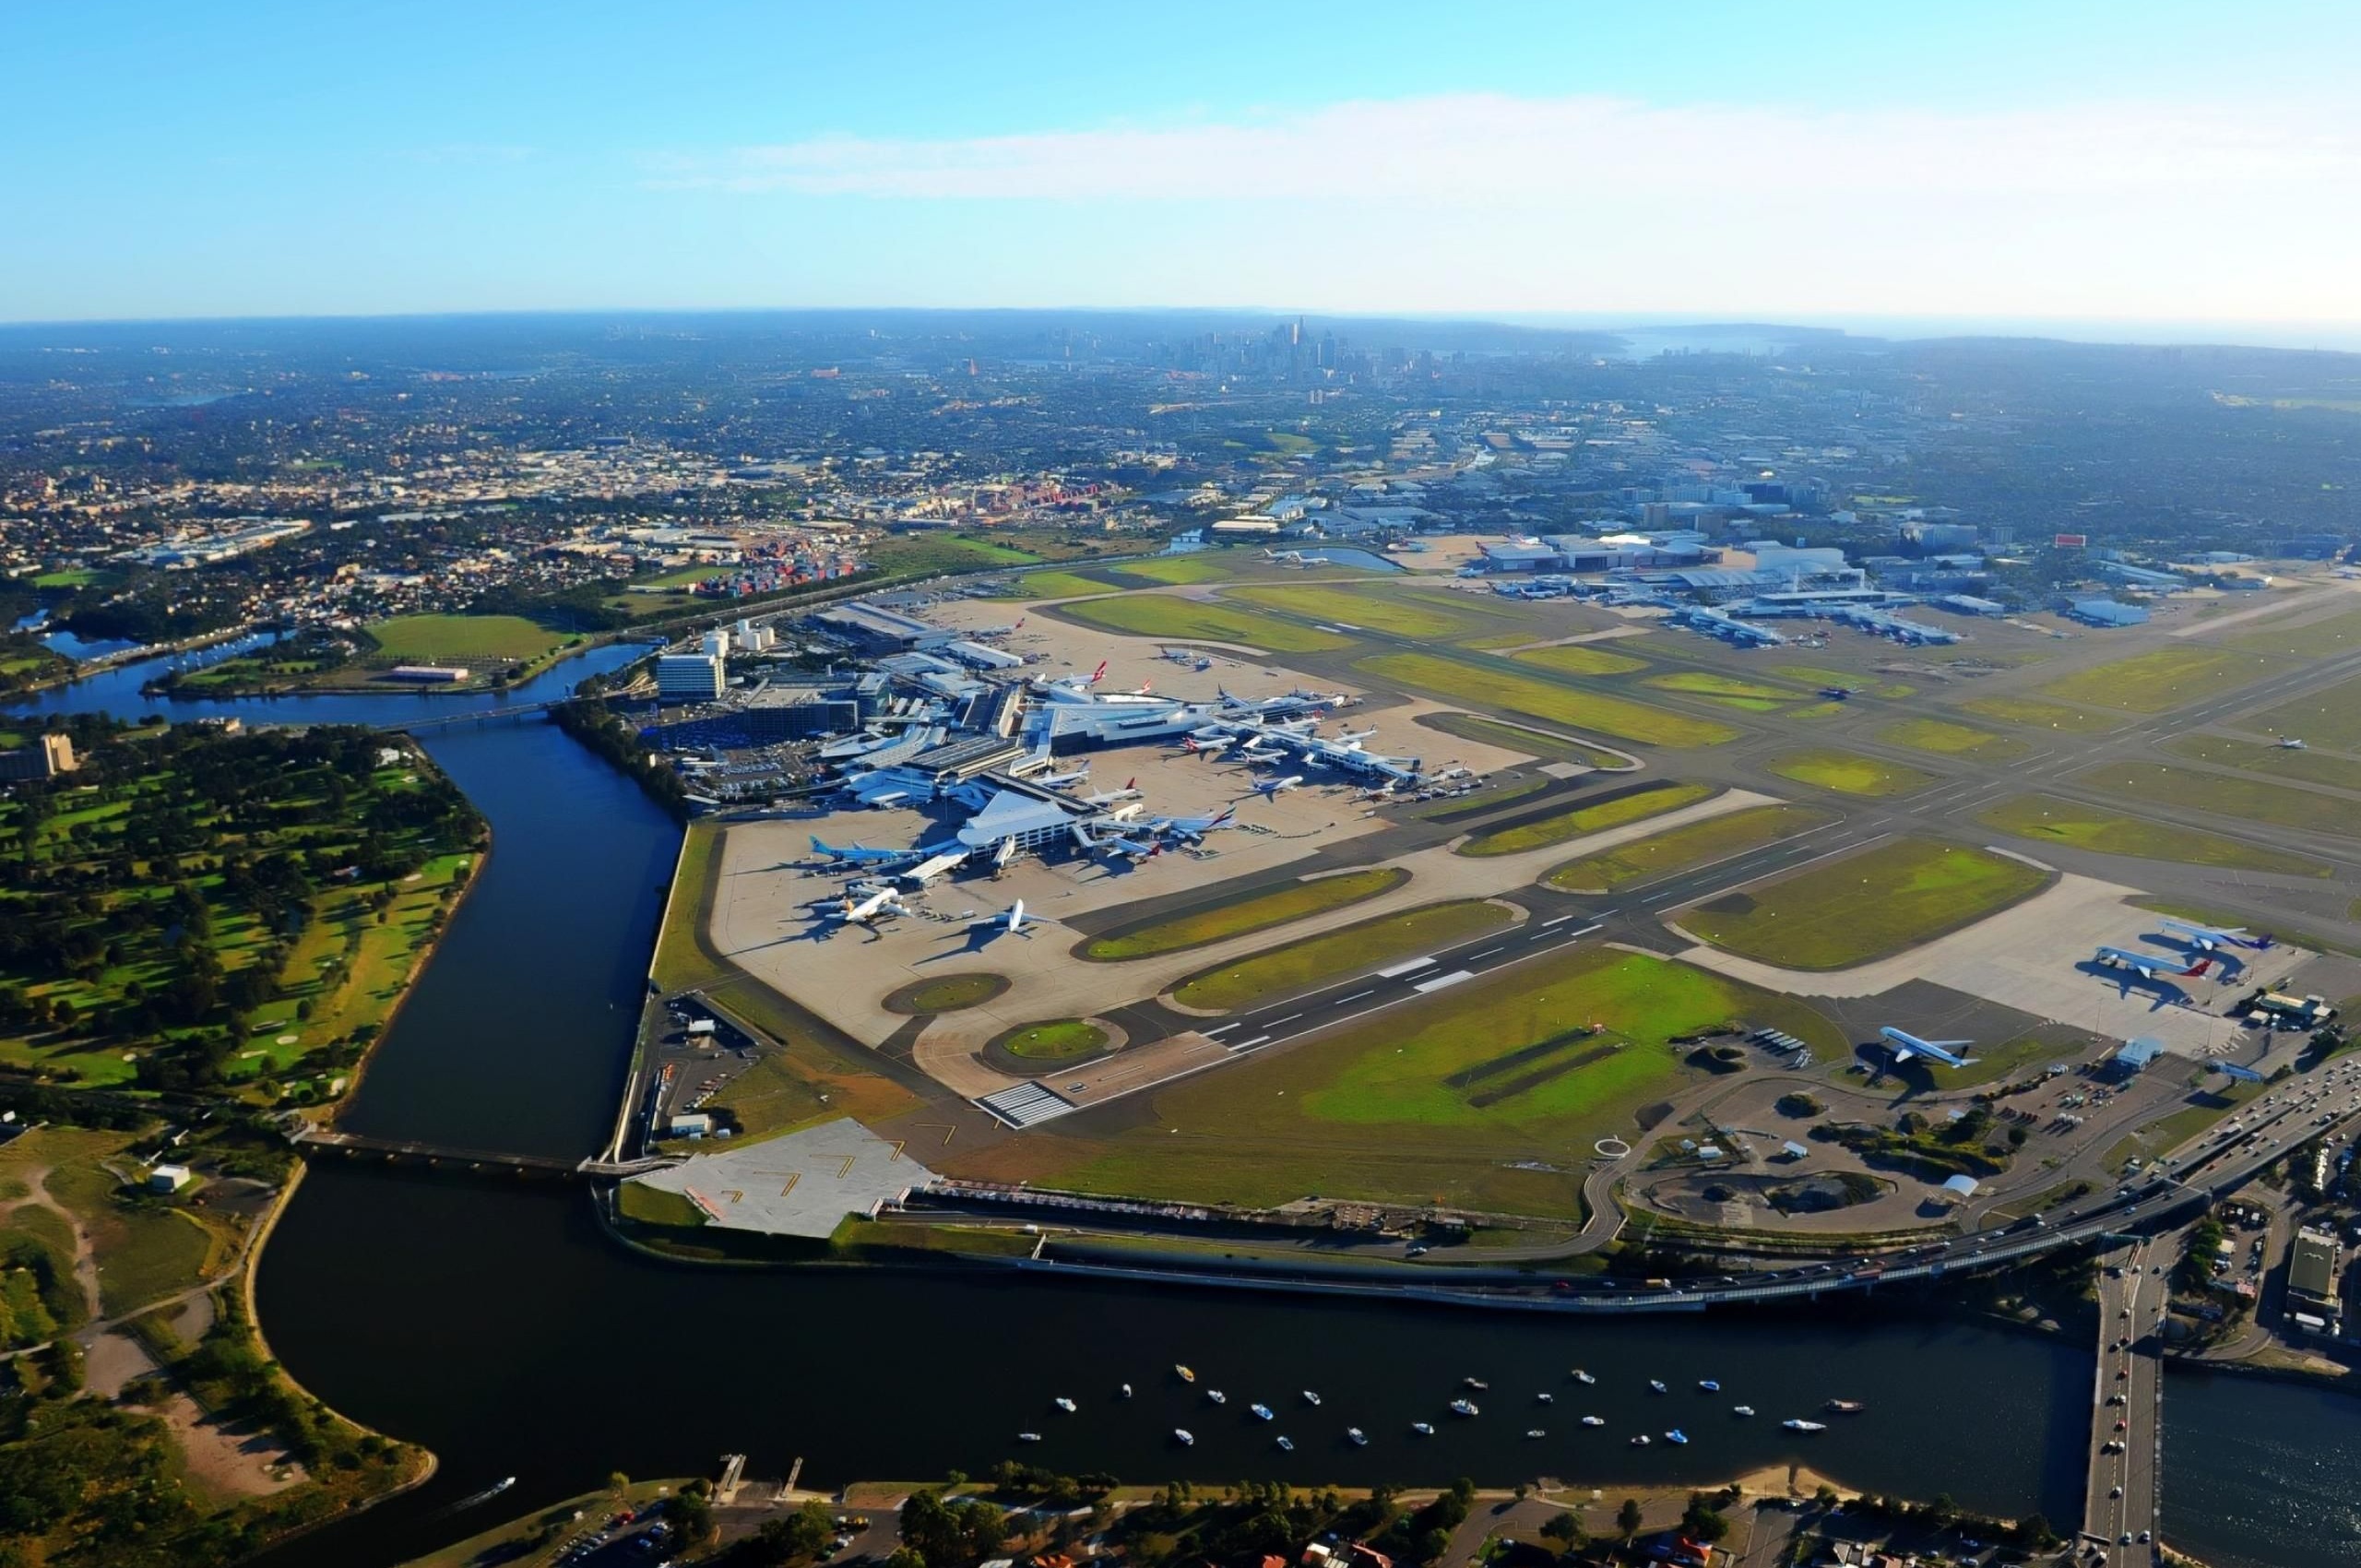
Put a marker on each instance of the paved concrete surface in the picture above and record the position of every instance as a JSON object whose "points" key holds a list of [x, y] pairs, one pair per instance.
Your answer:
{"points": [[2128, 1389], [803, 1184]]}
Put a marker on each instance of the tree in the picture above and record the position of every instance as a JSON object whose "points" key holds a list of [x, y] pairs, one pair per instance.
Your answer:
{"points": [[1627, 1518], [1701, 1521], [692, 1516], [617, 1481], [1567, 1531]]}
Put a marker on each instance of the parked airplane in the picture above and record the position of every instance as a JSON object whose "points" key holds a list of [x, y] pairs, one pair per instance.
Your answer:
{"points": [[1906, 1045], [878, 905], [1194, 827], [1061, 780], [924, 873], [1270, 787], [1130, 791], [2151, 965], [861, 854], [1213, 747], [2209, 937], [1129, 849], [2292, 743], [1354, 737], [1010, 921]]}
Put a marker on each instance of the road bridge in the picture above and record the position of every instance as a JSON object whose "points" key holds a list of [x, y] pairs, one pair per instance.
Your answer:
{"points": [[316, 1140], [513, 713], [2122, 1503]]}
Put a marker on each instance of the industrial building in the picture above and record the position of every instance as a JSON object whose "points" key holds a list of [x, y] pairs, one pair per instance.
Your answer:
{"points": [[689, 677]]}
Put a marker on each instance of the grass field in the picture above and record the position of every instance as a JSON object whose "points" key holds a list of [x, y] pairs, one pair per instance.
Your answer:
{"points": [[2045, 819], [1678, 848], [1654, 800], [1581, 658], [1848, 773], [2164, 678], [1262, 911], [1820, 675], [1376, 610], [2331, 718], [145, 1250], [1178, 570], [2311, 768], [2035, 714], [2241, 799], [1489, 1096], [454, 639], [1869, 905], [1615, 718], [1517, 738], [1316, 960], [947, 552], [1946, 739], [1060, 1040], [1053, 585], [2315, 640], [1167, 615], [1729, 690], [945, 993]]}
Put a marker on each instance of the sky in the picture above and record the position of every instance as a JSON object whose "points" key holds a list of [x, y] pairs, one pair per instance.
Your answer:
{"points": [[2165, 166]]}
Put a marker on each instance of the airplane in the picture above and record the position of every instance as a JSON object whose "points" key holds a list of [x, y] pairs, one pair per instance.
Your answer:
{"points": [[1207, 748], [1838, 693], [2151, 965], [1130, 791], [1010, 921], [861, 854], [1907, 1045], [2208, 938], [1354, 737], [2292, 743], [1129, 849], [1061, 780], [879, 905], [1269, 789], [925, 871], [1194, 827]]}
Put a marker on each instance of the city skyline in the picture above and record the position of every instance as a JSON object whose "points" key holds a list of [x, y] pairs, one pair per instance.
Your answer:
{"points": [[2104, 173]]}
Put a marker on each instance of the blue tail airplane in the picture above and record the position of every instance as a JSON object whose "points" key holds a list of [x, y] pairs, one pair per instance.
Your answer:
{"points": [[1907, 1045]]}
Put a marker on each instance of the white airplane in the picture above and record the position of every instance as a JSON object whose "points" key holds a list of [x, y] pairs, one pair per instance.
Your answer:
{"points": [[1194, 827], [880, 905], [1907, 1045], [2292, 743], [1210, 748], [2209, 938], [1010, 921], [1270, 787], [2150, 965], [1129, 849], [861, 854], [1130, 791], [1355, 737], [1061, 780]]}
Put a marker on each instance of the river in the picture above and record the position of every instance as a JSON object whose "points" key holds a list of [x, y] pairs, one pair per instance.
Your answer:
{"points": [[497, 1326]]}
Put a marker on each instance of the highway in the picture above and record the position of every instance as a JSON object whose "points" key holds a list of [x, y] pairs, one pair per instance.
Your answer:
{"points": [[2121, 1504]]}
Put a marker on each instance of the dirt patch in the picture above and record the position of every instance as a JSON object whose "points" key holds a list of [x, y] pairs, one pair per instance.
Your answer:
{"points": [[229, 1461]]}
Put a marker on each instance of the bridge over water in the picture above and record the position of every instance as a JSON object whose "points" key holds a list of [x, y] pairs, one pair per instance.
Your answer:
{"points": [[318, 1141]]}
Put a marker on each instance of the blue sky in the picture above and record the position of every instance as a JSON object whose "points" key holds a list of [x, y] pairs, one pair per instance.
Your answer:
{"points": [[2162, 162]]}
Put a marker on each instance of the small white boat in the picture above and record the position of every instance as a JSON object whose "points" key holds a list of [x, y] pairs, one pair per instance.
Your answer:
{"points": [[1582, 1376], [1655, 1387], [1028, 1437], [1708, 1386], [1262, 1412], [1545, 1399], [1309, 1397], [1184, 1437], [1216, 1396], [1462, 1407], [1183, 1373], [1594, 1421], [1475, 1383], [1063, 1403], [1361, 1438], [1535, 1432], [1126, 1391], [1424, 1429], [1741, 1409], [1287, 1446], [1805, 1426], [1641, 1441]]}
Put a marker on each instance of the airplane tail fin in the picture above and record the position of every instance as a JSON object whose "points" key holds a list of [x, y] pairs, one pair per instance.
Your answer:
{"points": [[2197, 968]]}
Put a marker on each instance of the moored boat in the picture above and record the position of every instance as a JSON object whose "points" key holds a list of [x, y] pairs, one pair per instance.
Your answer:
{"points": [[1594, 1421], [1462, 1407], [1028, 1437], [1847, 1406], [1063, 1403], [1309, 1397], [1361, 1438], [1216, 1397], [1287, 1444], [1582, 1376], [1184, 1373], [1424, 1429], [1676, 1436], [1262, 1412], [1535, 1432], [1741, 1409], [1655, 1386], [1805, 1426], [1184, 1437], [1708, 1386]]}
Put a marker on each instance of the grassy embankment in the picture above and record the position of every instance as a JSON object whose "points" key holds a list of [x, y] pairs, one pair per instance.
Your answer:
{"points": [[2253, 756], [2237, 799], [2331, 718], [2046, 819], [815, 1076], [1615, 718], [1054, 585], [1680, 848], [1820, 675], [1368, 608], [1179, 571], [1167, 615], [2322, 638], [1581, 658], [1869, 904], [1315, 961], [1849, 773], [2034, 714], [945, 993], [1488, 1095], [1059, 1040], [1750, 696], [1943, 738], [1242, 916], [227, 920], [1655, 799]]}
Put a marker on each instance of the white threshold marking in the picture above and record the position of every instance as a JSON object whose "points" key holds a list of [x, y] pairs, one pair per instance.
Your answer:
{"points": [[1486, 954], [1561, 920], [1210, 1034], [1275, 1022], [1440, 981], [1399, 970], [1251, 1044], [1354, 997]]}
